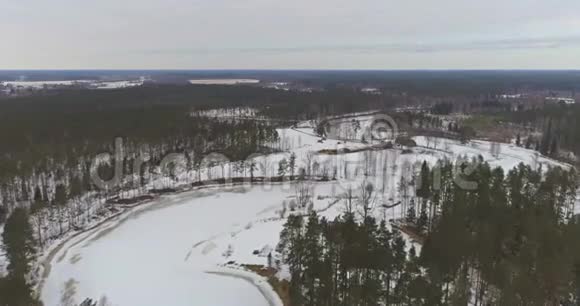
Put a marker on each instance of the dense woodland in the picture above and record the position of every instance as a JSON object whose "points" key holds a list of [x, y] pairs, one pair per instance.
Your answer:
{"points": [[51, 140], [20, 247], [550, 128], [558, 123], [510, 241]]}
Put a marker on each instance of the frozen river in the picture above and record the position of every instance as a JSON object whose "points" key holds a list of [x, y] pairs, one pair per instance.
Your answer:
{"points": [[156, 255]]}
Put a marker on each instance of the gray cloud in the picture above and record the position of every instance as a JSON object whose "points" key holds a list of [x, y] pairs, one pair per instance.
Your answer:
{"points": [[289, 34], [484, 45]]}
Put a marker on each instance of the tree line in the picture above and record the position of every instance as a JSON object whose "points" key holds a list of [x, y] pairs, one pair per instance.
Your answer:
{"points": [[20, 248], [512, 240], [558, 125]]}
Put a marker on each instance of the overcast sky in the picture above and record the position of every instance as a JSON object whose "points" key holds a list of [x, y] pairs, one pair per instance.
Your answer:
{"points": [[290, 34]]}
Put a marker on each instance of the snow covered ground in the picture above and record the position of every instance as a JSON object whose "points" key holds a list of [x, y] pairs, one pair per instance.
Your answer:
{"points": [[502, 155], [42, 84], [96, 84], [160, 253], [116, 84], [3, 261], [224, 81]]}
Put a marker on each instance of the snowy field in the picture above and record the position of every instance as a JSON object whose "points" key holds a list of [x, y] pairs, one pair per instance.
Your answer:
{"points": [[502, 155], [223, 81], [116, 84], [189, 248], [42, 84], [96, 84]]}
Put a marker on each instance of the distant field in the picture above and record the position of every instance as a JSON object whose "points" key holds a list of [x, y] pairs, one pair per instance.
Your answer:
{"points": [[224, 81]]}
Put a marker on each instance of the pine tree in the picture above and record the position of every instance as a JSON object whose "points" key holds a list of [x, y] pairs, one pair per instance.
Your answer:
{"points": [[404, 192], [252, 168], [24, 190], [479, 250], [411, 213], [20, 248], [3, 213], [37, 210], [546, 139], [312, 256], [292, 164], [424, 192], [282, 167], [554, 147], [423, 219], [424, 186], [14, 291], [19, 243], [529, 143]]}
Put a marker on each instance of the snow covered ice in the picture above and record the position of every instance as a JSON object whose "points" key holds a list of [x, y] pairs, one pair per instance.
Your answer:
{"points": [[158, 254]]}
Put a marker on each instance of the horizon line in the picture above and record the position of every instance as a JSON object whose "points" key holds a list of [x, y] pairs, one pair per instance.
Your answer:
{"points": [[290, 69]]}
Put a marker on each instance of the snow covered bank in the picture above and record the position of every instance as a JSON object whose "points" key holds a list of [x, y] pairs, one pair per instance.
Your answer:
{"points": [[260, 282]]}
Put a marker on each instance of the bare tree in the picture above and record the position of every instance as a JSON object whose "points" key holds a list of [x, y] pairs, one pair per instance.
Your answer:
{"points": [[349, 197], [495, 149], [308, 162], [435, 142], [304, 192], [39, 220], [265, 166], [368, 198], [369, 163]]}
